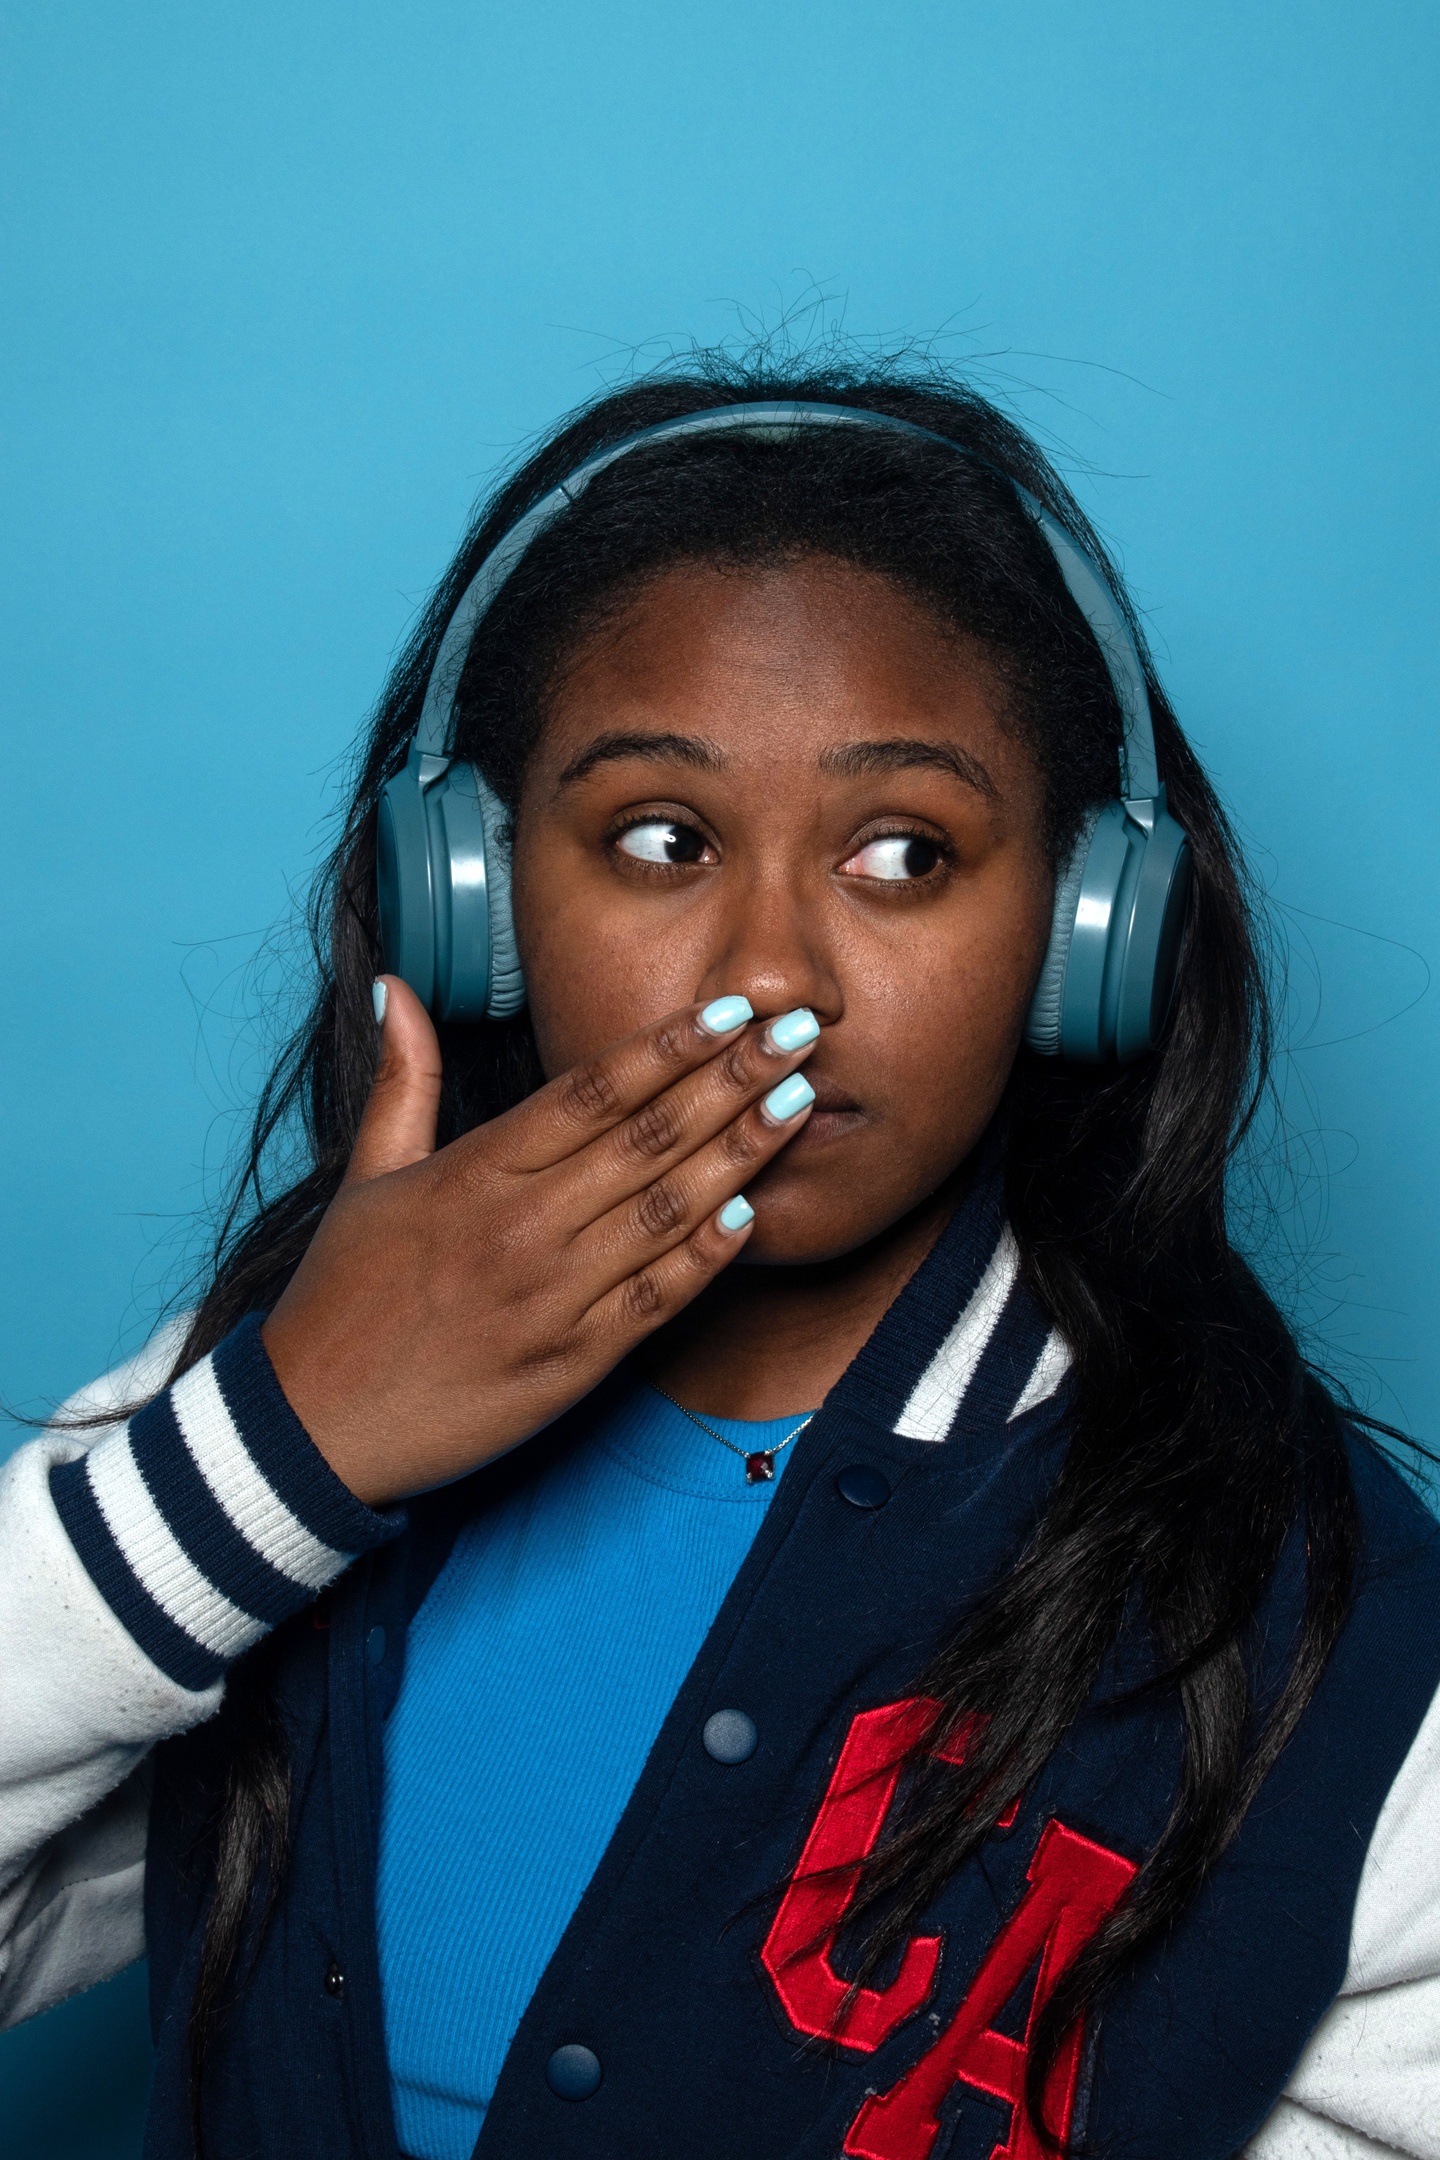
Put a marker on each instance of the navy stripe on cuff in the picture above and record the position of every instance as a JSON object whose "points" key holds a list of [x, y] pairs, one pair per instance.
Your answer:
{"points": [[177, 1654], [286, 1456], [201, 1526]]}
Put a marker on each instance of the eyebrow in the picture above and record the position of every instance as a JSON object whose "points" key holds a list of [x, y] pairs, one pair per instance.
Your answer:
{"points": [[694, 750], [848, 761]]}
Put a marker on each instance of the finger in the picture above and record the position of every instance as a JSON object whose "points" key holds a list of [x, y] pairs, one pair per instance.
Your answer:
{"points": [[592, 1097], [675, 1206], [654, 1294], [398, 1126], [624, 1162]]}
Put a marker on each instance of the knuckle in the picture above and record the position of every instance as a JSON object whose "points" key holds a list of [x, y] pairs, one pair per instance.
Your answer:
{"points": [[651, 1132], [660, 1210], [700, 1254], [644, 1297], [740, 1145], [542, 1284], [589, 1093], [734, 1064], [674, 1043], [545, 1327], [505, 1236]]}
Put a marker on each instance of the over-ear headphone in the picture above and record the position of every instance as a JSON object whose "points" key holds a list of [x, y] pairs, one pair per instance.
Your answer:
{"points": [[444, 873]]}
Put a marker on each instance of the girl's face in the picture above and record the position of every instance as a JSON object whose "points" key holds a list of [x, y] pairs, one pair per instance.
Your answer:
{"points": [[796, 784]]}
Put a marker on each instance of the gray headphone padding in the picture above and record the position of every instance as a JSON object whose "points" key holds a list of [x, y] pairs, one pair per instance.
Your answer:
{"points": [[507, 984], [1042, 1029]]}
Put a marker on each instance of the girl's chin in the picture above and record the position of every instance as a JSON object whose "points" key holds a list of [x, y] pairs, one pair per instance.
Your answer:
{"points": [[800, 1227]]}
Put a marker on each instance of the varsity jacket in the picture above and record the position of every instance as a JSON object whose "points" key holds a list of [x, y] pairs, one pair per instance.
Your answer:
{"points": [[698, 2002]]}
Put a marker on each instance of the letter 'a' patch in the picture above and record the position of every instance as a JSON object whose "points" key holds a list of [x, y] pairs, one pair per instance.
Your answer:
{"points": [[1074, 1886]]}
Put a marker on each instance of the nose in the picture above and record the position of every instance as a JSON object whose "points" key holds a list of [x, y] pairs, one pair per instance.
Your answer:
{"points": [[770, 946]]}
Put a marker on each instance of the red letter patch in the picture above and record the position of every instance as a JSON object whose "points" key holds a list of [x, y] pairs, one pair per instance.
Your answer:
{"points": [[797, 1952], [798, 1947], [1074, 1887]]}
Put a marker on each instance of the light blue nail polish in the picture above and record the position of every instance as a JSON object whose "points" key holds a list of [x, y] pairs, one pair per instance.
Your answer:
{"points": [[789, 1099], [379, 993], [793, 1029], [726, 1014], [736, 1213]]}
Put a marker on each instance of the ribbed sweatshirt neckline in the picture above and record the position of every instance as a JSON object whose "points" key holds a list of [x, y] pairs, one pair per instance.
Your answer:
{"points": [[649, 1436]]}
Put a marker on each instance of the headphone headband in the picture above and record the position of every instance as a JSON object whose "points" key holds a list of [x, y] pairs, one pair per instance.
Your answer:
{"points": [[443, 862], [1087, 584]]}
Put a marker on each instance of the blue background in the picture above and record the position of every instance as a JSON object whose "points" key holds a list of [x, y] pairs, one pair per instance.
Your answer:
{"points": [[285, 284]]}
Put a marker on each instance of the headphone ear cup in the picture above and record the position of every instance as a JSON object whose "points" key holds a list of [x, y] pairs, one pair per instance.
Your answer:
{"points": [[1087, 1031], [1109, 974], [477, 967], [1152, 938], [405, 883], [443, 877]]}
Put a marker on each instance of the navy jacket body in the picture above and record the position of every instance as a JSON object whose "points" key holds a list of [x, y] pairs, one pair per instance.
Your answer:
{"points": [[705, 2050]]}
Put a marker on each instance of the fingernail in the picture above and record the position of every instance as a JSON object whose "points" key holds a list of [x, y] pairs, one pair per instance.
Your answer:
{"points": [[792, 1030], [379, 993], [788, 1100], [735, 1214], [724, 1015]]}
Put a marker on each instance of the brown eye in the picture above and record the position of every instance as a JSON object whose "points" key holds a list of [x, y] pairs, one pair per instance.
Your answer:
{"points": [[662, 840], [898, 855]]}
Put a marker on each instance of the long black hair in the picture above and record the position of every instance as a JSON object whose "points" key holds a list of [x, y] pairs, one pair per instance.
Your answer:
{"points": [[1201, 1440]]}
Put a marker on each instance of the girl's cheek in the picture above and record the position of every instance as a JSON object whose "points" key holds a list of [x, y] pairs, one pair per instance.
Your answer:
{"points": [[585, 995]]}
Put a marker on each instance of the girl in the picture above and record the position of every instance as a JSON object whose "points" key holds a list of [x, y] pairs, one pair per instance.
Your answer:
{"points": [[739, 1567]]}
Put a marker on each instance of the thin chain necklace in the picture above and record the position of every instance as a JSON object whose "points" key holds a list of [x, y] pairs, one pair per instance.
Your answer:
{"points": [[759, 1465]]}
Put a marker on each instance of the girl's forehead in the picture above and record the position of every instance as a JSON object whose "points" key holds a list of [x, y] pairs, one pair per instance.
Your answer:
{"points": [[806, 656], [806, 609]]}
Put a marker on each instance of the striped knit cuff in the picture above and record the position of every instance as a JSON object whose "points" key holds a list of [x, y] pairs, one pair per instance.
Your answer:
{"points": [[212, 1516]]}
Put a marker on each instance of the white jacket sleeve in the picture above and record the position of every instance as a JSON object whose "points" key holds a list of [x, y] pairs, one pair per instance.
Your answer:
{"points": [[137, 1560], [1368, 2083]]}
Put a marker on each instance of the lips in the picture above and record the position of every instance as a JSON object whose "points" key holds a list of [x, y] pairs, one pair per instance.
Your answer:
{"points": [[836, 1114], [830, 1098]]}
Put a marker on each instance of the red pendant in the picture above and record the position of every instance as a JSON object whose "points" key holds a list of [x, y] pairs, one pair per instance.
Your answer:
{"points": [[760, 1467]]}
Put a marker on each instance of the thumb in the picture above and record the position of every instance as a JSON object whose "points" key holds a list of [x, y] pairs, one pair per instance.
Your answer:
{"points": [[398, 1126]]}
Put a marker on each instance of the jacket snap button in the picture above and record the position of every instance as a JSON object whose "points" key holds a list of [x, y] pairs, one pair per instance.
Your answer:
{"points": [[730, 1737], [573, 2072], [375, 1646], [335, 1981], [863, 1486]]}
